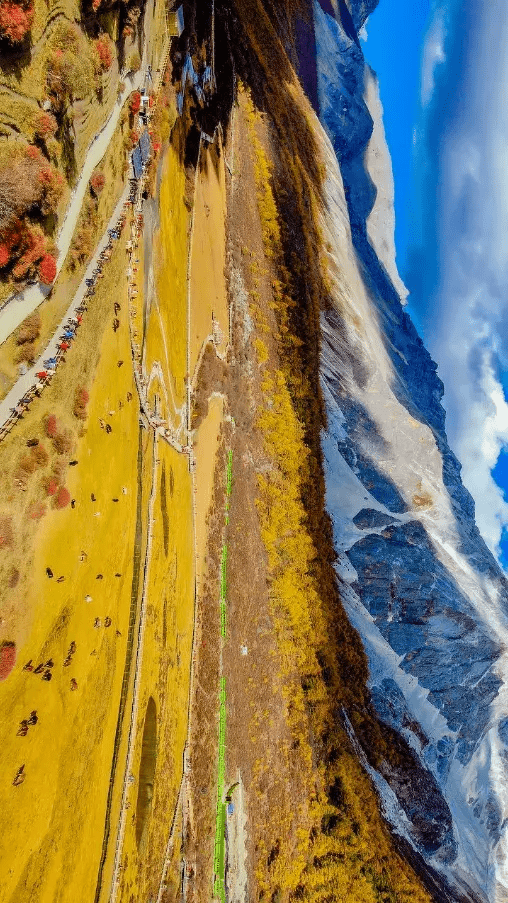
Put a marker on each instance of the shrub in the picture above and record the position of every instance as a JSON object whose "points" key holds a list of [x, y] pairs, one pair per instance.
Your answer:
{"points": [[97, 182], [51, 486], [26, 466], [63, 498], [80, 403], [68, 36], [51, 426], [63, 443], [6, 531], [36, 511], [30, 329], [47, 269], [71, 73], [26, 354], [19, 190], [58, 471], [104, 50], [40, 455], [7, 658], [52, 183], [15, 20], [46, 126], [13, 578]]}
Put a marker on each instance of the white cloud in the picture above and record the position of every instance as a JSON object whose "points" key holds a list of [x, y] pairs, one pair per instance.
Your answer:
{"points": [[488, 424], [433, 55], [468, 335]]}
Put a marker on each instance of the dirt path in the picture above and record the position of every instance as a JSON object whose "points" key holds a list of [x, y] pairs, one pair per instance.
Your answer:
{"points": [[131, 743], [236, 847]]}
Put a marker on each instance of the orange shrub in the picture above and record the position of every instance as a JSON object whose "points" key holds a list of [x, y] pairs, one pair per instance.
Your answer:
{"points": [[46, 126], [80, 403], [7, 658], [104, 49]]}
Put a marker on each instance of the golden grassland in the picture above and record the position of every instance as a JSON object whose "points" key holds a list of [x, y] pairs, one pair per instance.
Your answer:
{"points": [[165, 672], [99, 547], [208, 285], [68, 753], [338, 847], [167, 314]]}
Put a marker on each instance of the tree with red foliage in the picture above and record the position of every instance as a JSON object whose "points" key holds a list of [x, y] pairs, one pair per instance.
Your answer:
{"points": [[47, 269], [15, 20], [29, 251], [104, 49], [135, 103], [46, 126], [51, 486], [97, 182], [81, 400], [63, 498]]}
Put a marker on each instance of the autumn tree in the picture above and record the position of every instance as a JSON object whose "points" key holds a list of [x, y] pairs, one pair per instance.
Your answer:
{"points": [[45, 126], [104, 50], [15, 20], [47, 269]]}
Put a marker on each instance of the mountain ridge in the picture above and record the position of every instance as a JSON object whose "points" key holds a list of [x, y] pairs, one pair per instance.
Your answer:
{"points": [[424, 592]]}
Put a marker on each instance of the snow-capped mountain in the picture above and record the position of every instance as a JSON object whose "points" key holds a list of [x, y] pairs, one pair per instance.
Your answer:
{"points": [[417, 579]]}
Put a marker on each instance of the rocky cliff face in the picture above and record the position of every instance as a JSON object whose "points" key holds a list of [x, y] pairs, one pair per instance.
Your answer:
{"points": [[419, 583]]}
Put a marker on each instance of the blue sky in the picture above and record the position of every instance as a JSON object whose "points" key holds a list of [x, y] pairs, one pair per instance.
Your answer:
{"points": [[443, 74]]}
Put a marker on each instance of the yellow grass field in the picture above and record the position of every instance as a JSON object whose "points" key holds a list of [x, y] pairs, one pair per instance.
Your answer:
{"points": [[67, 754], [166, 339], [208, 284], [165, 675], [114, 582]]}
